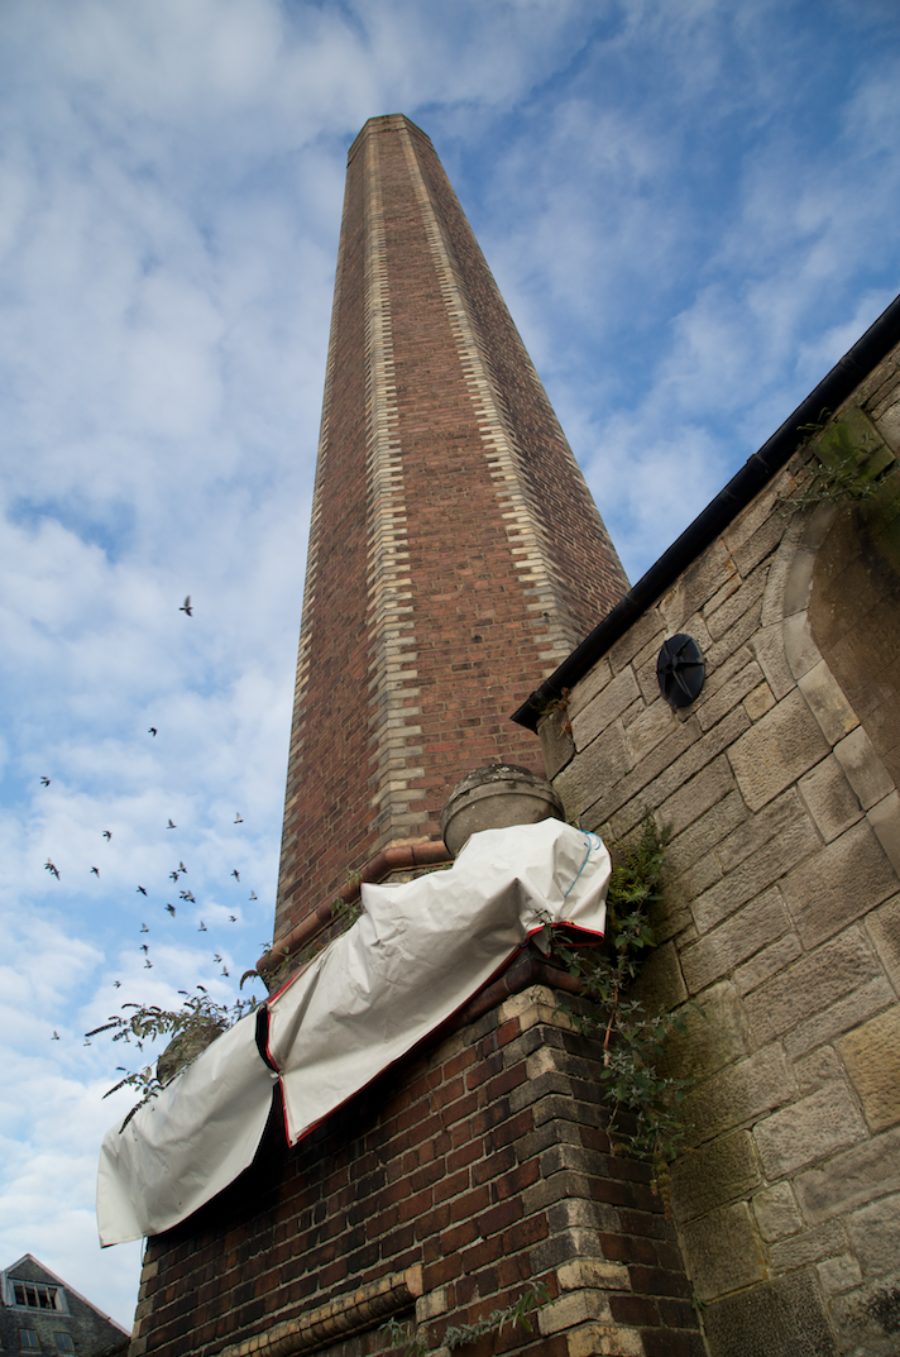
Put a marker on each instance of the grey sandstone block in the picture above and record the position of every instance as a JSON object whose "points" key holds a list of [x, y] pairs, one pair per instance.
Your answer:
{"points": [[875, 1238], [775, 752], [827, 702], [808, 1130], [810, 1246], [650, 627], [847, 878], [794, 843], [759, 701], [594, 718], [829, 798], [745, 681], [738, 1094], [798, 581], [763, 965], [776, 1211], [703, 579], [854, 1178], [816, 1068], [800, 645], [810, 984], [768, 646], [719, 1172], [712, 1036], [702, 836], [871, 1056], [723, 1251], [705, 789], [841, 1016], [757, 830], [660, 981], [720, 614], [747, 931], [760, 511], [761, 545], [883, 926], [840, 1274], [649, 727], [740, 633], [866, 773], [884, 817], [605, 761], [587, 688], [781, 1318]]}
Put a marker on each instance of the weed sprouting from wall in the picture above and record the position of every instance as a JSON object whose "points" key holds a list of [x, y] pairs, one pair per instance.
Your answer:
{"points": [[643, 1101]]}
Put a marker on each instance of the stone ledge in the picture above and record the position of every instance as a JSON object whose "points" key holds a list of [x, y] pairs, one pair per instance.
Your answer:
{"points": [[335, 1319]]}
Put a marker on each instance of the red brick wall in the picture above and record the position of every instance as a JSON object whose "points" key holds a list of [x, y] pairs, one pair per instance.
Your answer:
{"points": [[483, 1159], [445, 483]]}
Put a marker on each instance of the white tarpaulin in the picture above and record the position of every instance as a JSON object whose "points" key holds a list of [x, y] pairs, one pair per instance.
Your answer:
{"points": [[418, 952]]}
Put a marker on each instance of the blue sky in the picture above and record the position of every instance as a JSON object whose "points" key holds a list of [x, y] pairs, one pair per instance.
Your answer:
{"points": [[691, 209]]}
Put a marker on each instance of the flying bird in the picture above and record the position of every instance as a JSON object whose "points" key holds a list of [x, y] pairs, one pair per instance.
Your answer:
{"points": [[51, 867], [45, 781], [148, 966], [95, 871], [171, 910], [187, 607], [253, 895], [140, 891], [217, 957], [225, 970], [182, 868], [236, 874], [107, 834], [145, 948], [144, 928], [189, 896], [55, 1036], [232, 918], [173, 876], [201, 929], [151, 730], [117, 984], [238, 818], [171, 824]]}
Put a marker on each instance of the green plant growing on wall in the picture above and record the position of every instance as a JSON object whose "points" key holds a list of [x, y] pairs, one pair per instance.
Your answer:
{"points": [[643, 1101], [846, 468], [199, 1020], [517, 1315], [403, 1339]]}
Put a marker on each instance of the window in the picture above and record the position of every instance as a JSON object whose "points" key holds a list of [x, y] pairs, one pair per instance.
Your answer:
{"points": [[28, 1341], [36, 1296], [64, 1341]]}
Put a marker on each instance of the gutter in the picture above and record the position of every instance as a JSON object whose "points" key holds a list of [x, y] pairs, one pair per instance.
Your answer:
{"points": [[757, 471]]}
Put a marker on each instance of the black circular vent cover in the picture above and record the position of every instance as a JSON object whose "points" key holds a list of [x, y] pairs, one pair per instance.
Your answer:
{"points": [[680, 670]]}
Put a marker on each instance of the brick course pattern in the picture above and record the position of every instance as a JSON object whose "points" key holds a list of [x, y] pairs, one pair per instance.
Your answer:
{"points": [[782, 920], [454, 551], [461, 1177]]}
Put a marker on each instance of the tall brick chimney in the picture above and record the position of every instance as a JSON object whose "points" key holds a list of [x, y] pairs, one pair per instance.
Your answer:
{"points": [[455, 557], [455, 553]]}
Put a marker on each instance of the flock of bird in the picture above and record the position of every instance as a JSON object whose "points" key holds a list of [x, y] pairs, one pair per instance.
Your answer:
{"points": [[185, 895]]}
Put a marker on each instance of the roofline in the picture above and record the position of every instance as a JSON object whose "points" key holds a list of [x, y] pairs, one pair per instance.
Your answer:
{"points": [[757, 471], [66, 1286]]}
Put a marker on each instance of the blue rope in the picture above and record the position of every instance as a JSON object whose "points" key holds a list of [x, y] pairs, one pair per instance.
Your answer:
{"points": [[589, 838]]}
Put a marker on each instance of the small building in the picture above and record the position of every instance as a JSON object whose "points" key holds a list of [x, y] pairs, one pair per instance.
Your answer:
{"points": [[39, 1312]]}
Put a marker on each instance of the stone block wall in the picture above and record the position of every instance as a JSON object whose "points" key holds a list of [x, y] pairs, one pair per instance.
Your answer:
{"points": [[458, 1180], [781, 933]]}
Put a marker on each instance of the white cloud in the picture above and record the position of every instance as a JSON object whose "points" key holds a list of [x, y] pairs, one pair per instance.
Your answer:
{"points": [[682, 248]]}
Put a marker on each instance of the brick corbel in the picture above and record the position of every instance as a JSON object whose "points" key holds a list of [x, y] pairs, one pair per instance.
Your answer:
{"points": [[336, 1319], [399, 857]]}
